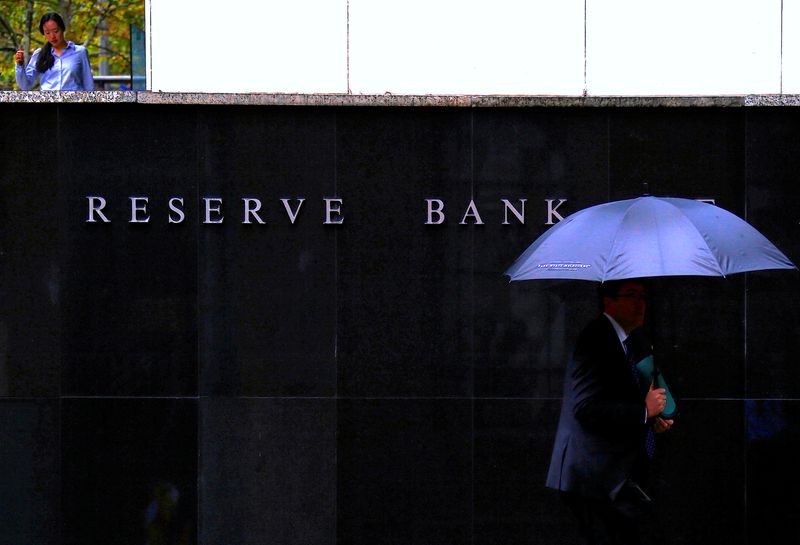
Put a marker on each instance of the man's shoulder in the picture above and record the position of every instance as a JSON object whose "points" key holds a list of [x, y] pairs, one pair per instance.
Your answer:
{"points": [[599, 324], [599, 329]]}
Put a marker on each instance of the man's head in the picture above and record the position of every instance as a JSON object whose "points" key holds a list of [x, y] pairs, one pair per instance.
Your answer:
{"points": [[624, 300]]}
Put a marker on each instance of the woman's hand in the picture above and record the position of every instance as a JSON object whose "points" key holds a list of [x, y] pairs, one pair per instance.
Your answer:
{"points": [[19, 57]]}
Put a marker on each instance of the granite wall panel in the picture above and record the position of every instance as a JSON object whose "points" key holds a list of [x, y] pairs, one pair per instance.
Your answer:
{"points": [[268, 471], [30, 240], [555, 161], [267, 297], [375, 380], [403, 286], [773, 315], [404, 469], [129, 286]]}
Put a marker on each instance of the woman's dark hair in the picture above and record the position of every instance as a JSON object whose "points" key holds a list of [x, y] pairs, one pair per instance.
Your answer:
{"points": [[46, 59]]}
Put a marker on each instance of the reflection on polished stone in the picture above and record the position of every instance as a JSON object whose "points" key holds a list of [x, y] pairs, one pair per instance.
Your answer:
{"points": [[404, 471], [29, 488], [269, 471], [512, 504], [773, 437], [129, 471]]}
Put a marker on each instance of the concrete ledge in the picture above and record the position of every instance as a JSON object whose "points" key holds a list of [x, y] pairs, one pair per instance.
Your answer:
{"points": [[606, 102], [772, 100], [448, 101], [67, 96], [268, 99]]}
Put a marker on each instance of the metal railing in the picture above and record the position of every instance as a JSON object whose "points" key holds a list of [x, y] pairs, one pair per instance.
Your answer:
{"points": [[100, 82]]}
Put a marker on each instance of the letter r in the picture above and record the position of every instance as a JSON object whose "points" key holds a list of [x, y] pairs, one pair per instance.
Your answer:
{"points": [[96, 205]]}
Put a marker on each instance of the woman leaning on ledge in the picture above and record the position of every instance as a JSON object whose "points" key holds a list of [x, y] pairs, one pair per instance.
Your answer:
{"points": [[60, 65]]}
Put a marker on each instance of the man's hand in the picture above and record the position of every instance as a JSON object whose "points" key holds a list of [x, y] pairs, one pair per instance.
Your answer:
{"points": [[656, 400], [19, 57], [661, 425]]}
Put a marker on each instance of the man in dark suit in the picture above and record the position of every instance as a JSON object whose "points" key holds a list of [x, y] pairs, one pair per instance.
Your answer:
{"points": [[605, 431]]}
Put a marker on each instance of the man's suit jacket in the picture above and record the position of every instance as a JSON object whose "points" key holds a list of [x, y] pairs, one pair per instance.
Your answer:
{"points": [[600, 440]]}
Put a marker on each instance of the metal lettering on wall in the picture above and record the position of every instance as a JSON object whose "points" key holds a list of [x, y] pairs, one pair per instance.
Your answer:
{"points": [[436, 213], [212, 212]]}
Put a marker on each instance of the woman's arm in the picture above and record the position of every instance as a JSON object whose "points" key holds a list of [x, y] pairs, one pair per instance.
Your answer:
{"points": [[86, 72], [26, 75]]}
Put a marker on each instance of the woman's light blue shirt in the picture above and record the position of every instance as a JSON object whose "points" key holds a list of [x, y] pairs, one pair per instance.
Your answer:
{"points": [[70, 72]]}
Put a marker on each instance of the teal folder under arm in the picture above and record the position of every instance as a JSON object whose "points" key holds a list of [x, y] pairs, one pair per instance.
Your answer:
{"points": [[646, 370]]}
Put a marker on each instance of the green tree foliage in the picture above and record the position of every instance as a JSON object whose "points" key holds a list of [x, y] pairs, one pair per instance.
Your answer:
{"points": [[102, 26]]}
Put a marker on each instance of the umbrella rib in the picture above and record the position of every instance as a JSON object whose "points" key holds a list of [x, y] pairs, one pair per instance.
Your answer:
{"points": [[614, 242], [705, 241]]}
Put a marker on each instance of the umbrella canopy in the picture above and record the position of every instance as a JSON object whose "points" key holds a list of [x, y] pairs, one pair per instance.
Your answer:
{"points": [[645, 237]]}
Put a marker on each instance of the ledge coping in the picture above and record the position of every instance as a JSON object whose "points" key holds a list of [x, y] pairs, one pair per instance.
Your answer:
{"points": [[458, 101]]}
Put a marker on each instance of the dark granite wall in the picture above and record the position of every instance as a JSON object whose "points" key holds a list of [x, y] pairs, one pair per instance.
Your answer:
{"points": [[377, 381]]}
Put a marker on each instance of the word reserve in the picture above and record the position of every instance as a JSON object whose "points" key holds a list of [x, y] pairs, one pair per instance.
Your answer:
{"points": [[212, 212]]}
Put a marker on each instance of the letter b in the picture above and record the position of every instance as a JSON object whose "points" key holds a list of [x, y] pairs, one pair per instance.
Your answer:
{"points": [[437, 210]]}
